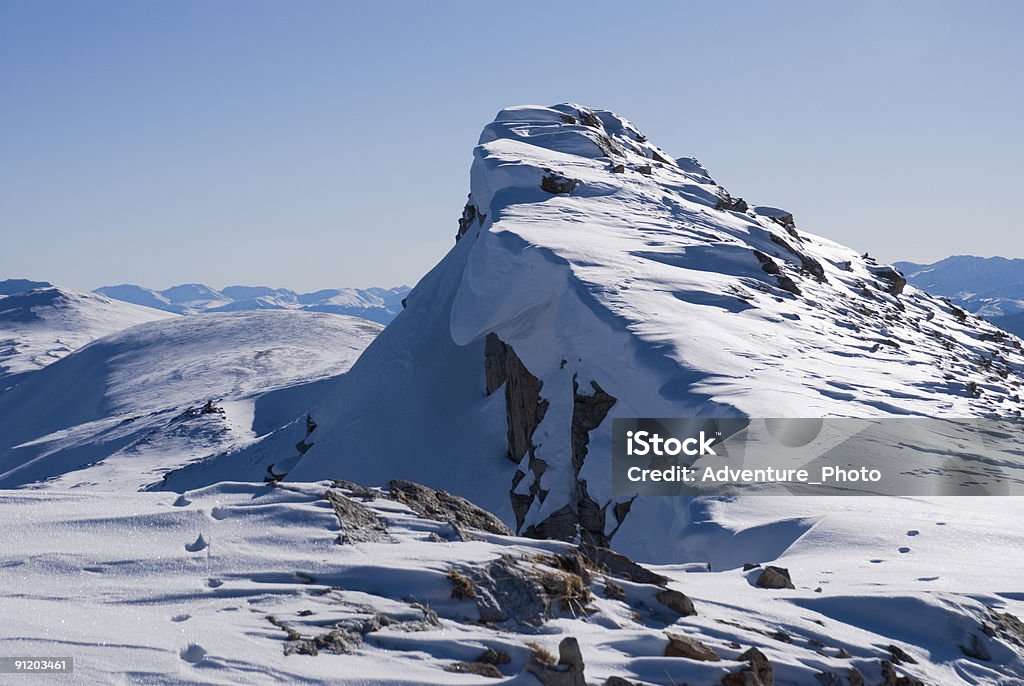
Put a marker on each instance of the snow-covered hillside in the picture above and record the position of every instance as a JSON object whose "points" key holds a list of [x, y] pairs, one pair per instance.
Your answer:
{"points": [[240, 583], [123, 411], [376, 304], [41, 323], [595, 277]]}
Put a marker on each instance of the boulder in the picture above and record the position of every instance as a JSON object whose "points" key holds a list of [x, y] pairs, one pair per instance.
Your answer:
{"points": [[556, 183], [677, 602], [759, 671], [568, 671], [774, 577], [442, 506], [690, 648], [359, 524]]}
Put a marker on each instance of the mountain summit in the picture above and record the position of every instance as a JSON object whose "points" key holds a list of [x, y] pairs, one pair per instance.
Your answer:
{"points": [[594, 276]]}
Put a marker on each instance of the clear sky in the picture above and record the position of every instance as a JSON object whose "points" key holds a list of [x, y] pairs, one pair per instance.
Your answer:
{"points": [[324, 144]]}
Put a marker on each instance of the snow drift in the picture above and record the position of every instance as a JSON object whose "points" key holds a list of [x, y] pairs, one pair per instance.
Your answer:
{"points": [[594, 276], [123, 411]]}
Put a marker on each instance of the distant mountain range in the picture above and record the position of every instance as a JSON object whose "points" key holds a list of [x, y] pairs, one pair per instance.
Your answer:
{"points": [[376, 304], [991, 287]]}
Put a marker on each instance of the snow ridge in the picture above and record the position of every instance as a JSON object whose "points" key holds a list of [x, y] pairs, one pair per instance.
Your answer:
{"points": [[604, 266]]}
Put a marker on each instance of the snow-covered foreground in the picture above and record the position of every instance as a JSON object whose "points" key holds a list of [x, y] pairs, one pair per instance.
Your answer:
{"points": [[120, 585], [121, 413]]}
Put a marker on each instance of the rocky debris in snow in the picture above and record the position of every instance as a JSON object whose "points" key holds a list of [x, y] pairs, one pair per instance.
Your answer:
{"points": [[774, 577], [359, 524], [490, 656], [619, 169], [769, 266], [614, 590], [567, 672], [619, 681], [347, 635], [975, 648], [691, 648], [620, 566], [728, 203], [442, 506], [807, 263], [208, 408], [477, 668], [786, 221], [676, 601], [891, 678], [895, 281], [462, 587], [899, 656], [645, 169], [1005, 626], [355, 490], [759, 672], [527, 592], [556, 183]]}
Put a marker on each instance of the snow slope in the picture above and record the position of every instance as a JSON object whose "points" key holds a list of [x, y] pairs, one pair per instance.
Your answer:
{"points": [[122, 412], [615, 276], [41, 323], [376, 304], [219, 585]]}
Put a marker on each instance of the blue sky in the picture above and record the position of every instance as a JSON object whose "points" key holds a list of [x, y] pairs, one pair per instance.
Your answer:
{"points": [[318, 144]]}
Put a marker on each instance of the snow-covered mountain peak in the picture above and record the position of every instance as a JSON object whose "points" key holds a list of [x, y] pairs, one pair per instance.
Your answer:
{"points": [[595, 277]]}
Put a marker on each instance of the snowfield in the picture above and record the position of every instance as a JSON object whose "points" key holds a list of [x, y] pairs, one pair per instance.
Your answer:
{"points": [[119, 585], [121, 413], [41, 325]]}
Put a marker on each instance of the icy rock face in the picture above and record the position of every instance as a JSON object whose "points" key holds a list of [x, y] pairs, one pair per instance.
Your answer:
{"points": [[596, 277]]}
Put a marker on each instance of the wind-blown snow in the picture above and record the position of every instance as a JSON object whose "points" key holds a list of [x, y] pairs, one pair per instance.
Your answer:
{"points": [[118, 584], [122, 412], [40, 324], [640, 279]]}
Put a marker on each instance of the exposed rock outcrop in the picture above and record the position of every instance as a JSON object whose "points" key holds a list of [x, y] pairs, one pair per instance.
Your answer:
{"points": [[568, 671], [759, 671], [444, 507], [774, 577], [691, 648], [556, 183], [359, 524], [769, 266]]}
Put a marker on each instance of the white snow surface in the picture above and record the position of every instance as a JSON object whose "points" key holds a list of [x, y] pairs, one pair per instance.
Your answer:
{"points": [[122, 412], [119, 585], [635, 281], [42, 325]]}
